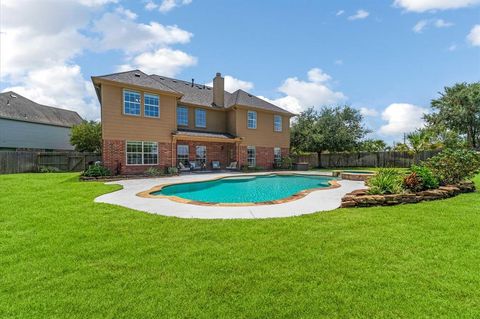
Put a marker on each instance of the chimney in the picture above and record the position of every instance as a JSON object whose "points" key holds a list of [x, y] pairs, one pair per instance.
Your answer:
{"points": [[218, 90]]}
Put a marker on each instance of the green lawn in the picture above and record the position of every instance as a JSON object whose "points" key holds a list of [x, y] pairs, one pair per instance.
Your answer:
{"points": [[63, 256]]}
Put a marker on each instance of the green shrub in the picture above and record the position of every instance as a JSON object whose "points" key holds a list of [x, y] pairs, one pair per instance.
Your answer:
{"points": [[453, 166], [426, 176], [287, 162], [172, 170], [97, 171], [412, 182], [386, 181], [48, 169], [153, 171]]}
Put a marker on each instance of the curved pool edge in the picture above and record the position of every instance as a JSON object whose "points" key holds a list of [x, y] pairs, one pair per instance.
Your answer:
{"points": [[148, 193]]}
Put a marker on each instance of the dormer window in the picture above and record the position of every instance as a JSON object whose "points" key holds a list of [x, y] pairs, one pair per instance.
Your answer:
{"points": [[252, 119], [131, 103]]}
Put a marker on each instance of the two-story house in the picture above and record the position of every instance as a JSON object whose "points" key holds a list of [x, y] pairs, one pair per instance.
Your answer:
{"points": [[151, 120]]}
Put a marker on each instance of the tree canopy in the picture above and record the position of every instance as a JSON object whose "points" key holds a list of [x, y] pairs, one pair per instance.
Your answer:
{"points": [[458, 110], [333, 129], [87, 137]]}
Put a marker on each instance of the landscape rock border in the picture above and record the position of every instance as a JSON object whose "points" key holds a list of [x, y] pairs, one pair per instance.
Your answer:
{"points": [[361, 198]]}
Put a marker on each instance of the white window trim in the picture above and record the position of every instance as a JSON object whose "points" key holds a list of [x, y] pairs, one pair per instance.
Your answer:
{"points": [[176, 110], [144, 108], [255, 120], [188, 151], [204, 111], [254, 158], [281, 123], [126, 154], [123, 103], [280, 151]]}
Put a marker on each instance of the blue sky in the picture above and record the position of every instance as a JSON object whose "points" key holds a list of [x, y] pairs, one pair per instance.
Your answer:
{"points": [[386, 58]]}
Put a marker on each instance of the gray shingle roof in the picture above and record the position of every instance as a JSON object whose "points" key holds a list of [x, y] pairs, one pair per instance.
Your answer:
{"points": [[241, 97], [16, 107], [137, 77], [203, 134], [198, 94]]}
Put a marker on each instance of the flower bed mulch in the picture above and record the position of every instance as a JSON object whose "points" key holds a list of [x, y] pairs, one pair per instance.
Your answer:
{"points": [[361, 198]]}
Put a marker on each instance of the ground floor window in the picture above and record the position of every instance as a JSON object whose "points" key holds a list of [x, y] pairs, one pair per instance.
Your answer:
{"points": [[139, 153], [201, 155], [277, 155], [251, 156], [182, 154]]}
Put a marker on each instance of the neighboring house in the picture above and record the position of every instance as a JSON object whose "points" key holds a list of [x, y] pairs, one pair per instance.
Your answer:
{"points": [[26, 125], [151, 120]]}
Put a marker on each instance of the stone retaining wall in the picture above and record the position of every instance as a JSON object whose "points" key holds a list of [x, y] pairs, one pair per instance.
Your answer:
{"points": [[361, 198]]}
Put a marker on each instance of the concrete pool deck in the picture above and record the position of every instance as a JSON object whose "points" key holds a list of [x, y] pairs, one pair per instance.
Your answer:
{"points": [[315, 201]]}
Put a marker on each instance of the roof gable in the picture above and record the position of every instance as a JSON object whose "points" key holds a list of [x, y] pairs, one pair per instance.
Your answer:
{"points": [[137, 77], [13, 106]]}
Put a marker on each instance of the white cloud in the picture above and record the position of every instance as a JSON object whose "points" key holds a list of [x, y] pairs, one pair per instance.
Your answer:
{"points": [[437, 23], [166, 5], [440, 23], [361, 14], [232, 84], [300, 95], [474, 36], [164, 61], [340, 12], [40, 41], [402, 118], [428, 5], [365, 111], [338, 62], [452, 47], [60, 86], [418, 28], [130, 36]]}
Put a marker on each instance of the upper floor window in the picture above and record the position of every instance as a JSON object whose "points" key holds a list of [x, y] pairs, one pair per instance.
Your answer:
{"points": [[182, 116], [252, 119], [152, 105], [131, 102], [277, 123], [200, 118]]}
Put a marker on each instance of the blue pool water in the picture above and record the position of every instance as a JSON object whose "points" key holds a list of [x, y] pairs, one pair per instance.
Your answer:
{"points": [[245, 189]]}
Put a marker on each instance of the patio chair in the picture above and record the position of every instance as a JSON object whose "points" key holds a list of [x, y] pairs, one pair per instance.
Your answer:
{"points": [[194, 166], [183, 168], [232, 166], [215, 165]]}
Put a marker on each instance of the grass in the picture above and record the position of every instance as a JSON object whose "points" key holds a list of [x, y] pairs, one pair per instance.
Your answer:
{"points": [[63, 256]]}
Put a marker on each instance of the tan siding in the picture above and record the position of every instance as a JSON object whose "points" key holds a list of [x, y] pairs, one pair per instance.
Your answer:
{"points": [[216, 120], [263, 135], [117, 126], [231, 122]]}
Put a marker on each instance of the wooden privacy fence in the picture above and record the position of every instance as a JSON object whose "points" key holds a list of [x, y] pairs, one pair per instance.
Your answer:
{"points": [[365, 159], [28, 161]]}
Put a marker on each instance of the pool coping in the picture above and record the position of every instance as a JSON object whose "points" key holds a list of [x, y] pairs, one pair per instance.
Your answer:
{"points": [[148, 193]]}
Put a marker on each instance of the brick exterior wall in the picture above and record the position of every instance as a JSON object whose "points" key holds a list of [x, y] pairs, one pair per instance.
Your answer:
{"points": [[114, 157]]}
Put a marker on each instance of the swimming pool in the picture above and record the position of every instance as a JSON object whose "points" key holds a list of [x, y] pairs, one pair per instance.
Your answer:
{"points": [[246, 188]]}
